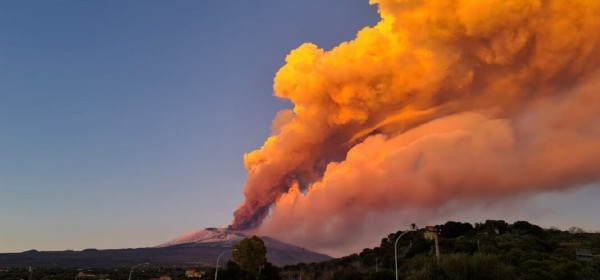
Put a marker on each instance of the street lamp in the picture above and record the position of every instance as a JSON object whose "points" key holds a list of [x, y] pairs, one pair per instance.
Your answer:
{"points": [[396, 250], [217, 267], [131, 272]]}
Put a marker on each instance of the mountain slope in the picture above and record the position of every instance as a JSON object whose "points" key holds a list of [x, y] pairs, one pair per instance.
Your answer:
{"points": [[191, 249]]}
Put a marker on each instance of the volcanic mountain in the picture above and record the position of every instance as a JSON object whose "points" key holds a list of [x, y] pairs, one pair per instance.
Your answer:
{"points": [[200, 247]]}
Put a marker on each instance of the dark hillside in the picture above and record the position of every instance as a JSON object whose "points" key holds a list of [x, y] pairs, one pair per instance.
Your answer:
{"points": [[490, 250]]}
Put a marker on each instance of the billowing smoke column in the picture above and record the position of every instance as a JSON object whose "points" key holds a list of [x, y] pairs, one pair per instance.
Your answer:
{"points": [[440, 101]]}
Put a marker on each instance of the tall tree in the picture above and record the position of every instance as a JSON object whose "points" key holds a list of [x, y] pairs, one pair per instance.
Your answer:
{"points": [[251, 255]]}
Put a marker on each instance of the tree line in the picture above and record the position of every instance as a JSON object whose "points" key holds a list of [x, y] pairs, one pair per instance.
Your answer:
{"points": [[493, 249]]}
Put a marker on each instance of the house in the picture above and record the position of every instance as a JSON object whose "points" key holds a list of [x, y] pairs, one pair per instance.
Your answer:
{"points": [[194, 273], [430, 232], [164, 277]]}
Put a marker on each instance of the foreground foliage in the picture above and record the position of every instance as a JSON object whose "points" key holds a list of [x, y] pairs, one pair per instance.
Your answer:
{"points": [[490, 250]]}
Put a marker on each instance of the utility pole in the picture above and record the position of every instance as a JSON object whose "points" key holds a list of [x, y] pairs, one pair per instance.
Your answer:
{"points": [[437, 246]]}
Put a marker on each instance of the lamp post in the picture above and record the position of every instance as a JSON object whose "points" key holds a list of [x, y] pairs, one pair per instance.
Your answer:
{"points": [[217, 267], [396, 250], [131, 272]]}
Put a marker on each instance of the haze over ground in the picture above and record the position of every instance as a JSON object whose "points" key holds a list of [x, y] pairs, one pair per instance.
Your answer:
{"points": [[145, 110]]}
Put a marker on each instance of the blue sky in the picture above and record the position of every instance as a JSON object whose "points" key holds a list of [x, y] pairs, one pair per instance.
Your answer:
{"points": [[124, 123]]}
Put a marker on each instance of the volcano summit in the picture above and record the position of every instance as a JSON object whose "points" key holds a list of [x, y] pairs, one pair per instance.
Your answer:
{"points": [[216, 236]]}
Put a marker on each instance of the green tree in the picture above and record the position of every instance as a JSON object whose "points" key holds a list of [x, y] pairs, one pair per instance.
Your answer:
{"points": [[453, 229], [251, 255]]}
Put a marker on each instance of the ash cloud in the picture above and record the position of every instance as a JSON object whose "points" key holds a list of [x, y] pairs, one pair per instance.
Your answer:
{"points": [[440, 101]]}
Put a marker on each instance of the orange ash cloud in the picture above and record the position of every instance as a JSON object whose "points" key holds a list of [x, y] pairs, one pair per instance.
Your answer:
{"points": [[440, 101]]}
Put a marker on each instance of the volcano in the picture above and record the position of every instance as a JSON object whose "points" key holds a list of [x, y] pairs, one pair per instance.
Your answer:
{"points": [[195, 248], [222, 239]]}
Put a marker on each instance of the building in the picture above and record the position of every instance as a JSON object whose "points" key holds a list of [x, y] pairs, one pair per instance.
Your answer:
{"points": [[164, 277], [194, 273], [430, 233], [584, 254], [84, 274]]}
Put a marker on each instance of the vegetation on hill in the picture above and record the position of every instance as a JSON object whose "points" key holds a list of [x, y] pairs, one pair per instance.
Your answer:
{"points": [[489, 250]]}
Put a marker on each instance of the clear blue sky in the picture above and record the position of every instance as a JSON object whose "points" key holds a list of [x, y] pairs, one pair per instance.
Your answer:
{"points": [[123, 123]]}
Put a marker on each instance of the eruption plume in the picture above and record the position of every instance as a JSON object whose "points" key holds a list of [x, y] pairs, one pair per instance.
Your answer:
{"points": [[440, 101]]}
